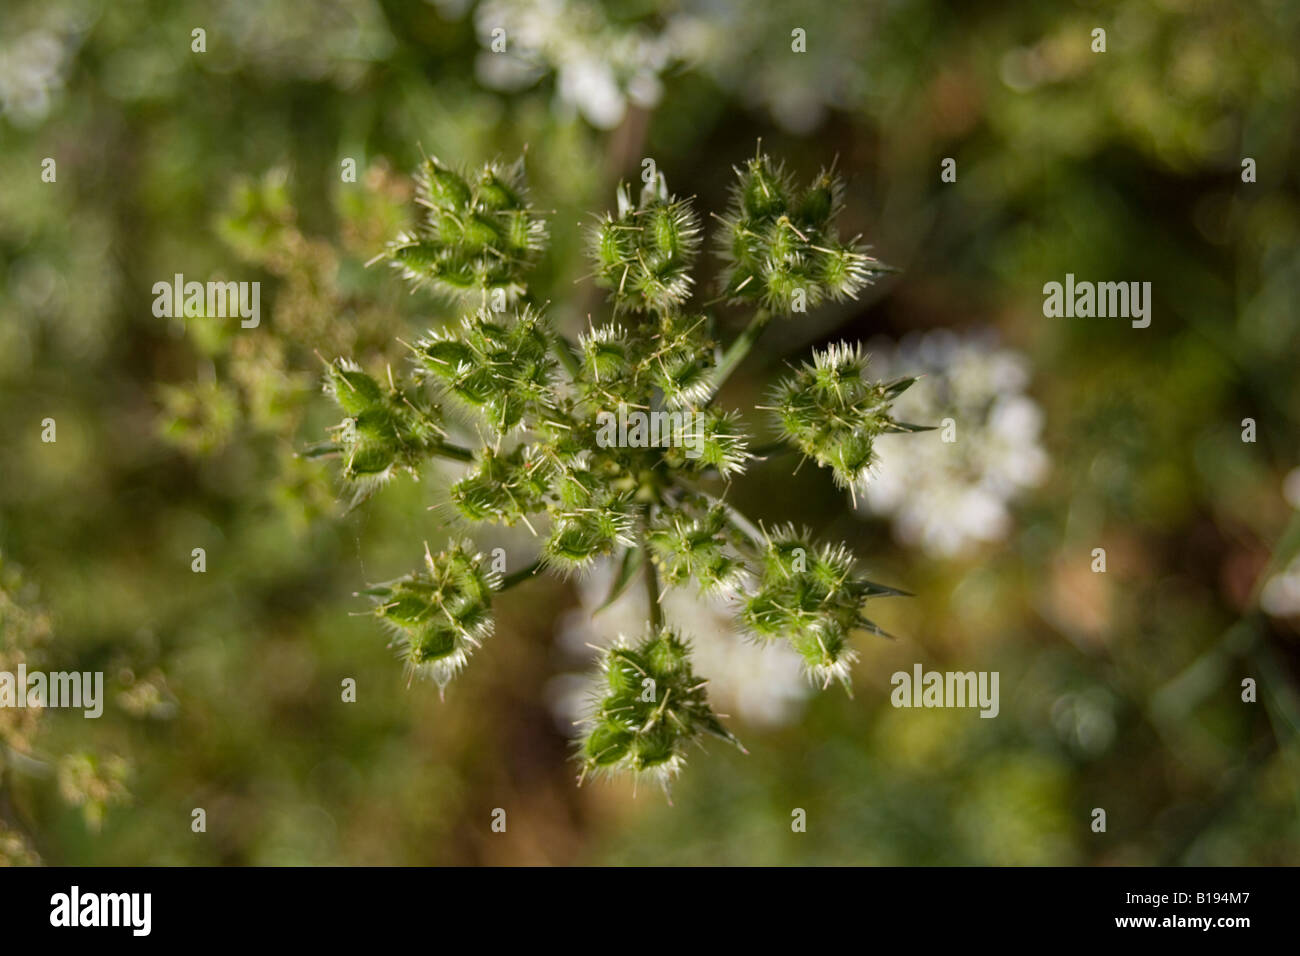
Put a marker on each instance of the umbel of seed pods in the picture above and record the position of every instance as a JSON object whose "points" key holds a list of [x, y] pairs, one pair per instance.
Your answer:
{"points": [[537, 398]]}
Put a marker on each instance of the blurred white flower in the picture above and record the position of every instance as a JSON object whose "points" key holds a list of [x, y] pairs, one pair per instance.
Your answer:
{"points": [[34, 65], [602, 63], [1291, 488], [600, 66], [1281, 594], [947, 497], [761, 685], [589, 84]]}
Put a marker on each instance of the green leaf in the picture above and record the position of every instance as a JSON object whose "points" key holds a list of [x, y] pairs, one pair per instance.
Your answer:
{"points": [[627, 569], [322, 450]]}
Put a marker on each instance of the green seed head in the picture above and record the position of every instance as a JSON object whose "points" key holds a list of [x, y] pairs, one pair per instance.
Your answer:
{"points": [[832, 413], [649, 706], [781, 245], [813, 598], [385, 429], [477, 234], [500, 366], [439, 615], [694, 542], [637, 494], [644, 255]]}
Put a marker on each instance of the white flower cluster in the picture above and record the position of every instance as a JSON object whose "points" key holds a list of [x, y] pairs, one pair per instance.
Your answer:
{"points": [[948, 496], [600, 67], [602, 64], [1281, 594]]}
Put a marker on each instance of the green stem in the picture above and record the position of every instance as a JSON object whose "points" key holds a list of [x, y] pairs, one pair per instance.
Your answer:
{"points": [[518, 577], [736, 353], [739, 522], [25, 763], [564, 352], [452, 452], [651, 575]]}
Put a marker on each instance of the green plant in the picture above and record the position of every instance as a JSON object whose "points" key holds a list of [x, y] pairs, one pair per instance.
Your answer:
{"points": [[90, 780], [555, 461]]}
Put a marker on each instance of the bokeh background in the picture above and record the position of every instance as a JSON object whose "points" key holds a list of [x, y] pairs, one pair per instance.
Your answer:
{"points": [[1119, 690]]}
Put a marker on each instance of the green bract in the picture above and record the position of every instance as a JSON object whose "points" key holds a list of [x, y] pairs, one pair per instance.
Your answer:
{"points": [[606, 447]]}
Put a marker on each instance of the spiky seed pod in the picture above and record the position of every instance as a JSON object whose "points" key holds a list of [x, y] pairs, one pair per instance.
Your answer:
{"points": [[644, 255], [609, 365], [477, 234], [679, 358], [620, 364], [833, 414], [441, 614], [592, 519], [648, 707], [502, 366], [707, 439], [781, 246], [813, 598], [578, 538], [564, 437], [504, 488], [821, 201], [384, 430], [693, 542]]}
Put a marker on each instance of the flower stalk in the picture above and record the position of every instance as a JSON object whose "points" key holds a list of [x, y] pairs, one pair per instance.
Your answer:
{"points": [[737, 351]]}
